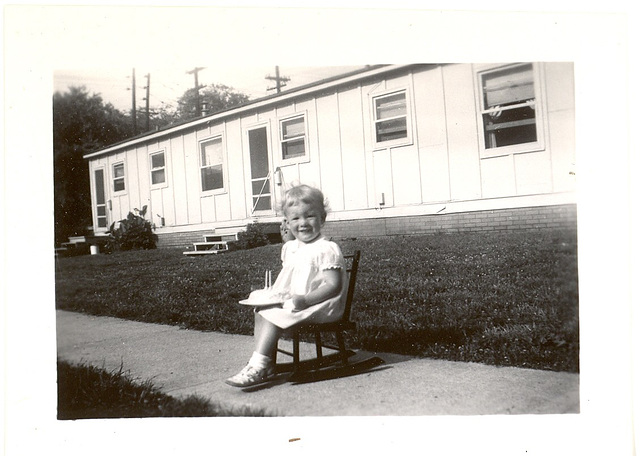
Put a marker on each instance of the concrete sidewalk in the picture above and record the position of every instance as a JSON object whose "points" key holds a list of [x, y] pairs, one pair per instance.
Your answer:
{"points": [[184, 362]]}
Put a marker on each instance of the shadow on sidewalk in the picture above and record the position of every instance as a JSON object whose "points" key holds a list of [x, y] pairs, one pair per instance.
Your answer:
{"points": [[367, 365]]}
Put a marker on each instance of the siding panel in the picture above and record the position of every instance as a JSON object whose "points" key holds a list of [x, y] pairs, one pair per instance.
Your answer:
{"points": [[208, 209], [431, 135], [192, 166], [562, 146], [383, 178], [429, 108], [178, 182], [498, 177], [434, 171], [353, 156], [462, 132], [234, 148], [559, 86], [368, 132], [310, 171], [137, 180], [330, 159], [533, 173], [406, 176], [222, 208], [156, 205]]}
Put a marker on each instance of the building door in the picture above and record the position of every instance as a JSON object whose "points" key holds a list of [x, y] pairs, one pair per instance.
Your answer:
{"points": [[100, 199], [261, 197]]}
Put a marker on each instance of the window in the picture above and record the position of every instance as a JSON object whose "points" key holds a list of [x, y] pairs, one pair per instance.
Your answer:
{"points": [[158, 174], [390, 117], [509, 108], [118, 177], [292, 137], [211, 165]]}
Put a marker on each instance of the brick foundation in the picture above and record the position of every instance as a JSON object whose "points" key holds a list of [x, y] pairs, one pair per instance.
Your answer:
{"points": [[182, 241], [185, 240], [528, 218]]}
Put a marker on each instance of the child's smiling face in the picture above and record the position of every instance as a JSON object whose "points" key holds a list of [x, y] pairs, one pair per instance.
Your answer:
{"points": [[305, 221]]}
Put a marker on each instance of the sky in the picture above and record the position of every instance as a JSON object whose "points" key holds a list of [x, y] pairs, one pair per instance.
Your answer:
{"points": [[167, 85]]}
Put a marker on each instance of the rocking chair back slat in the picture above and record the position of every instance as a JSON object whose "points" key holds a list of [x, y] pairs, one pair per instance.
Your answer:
{"points": [[352, 271]]}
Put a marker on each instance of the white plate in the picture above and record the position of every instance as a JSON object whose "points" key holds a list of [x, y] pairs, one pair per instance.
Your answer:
{"points": [[247, 302]]}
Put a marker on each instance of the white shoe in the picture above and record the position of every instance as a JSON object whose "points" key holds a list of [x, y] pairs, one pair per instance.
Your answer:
{"points": [[250, 376]]}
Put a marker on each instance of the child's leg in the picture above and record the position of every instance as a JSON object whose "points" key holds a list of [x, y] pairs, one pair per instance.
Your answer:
{"points": [[261, 365], [266, 336]]}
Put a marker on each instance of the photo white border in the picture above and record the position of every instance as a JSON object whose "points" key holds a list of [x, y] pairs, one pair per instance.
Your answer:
{"points": [[39, 39]]}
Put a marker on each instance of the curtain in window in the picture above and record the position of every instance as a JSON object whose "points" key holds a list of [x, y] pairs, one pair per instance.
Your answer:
{"points": [[509, 86], [212, 153], [211, 171], [391, 117], [157, 169], [509, 99], [293, 138], [391, 106], [118, 177]]}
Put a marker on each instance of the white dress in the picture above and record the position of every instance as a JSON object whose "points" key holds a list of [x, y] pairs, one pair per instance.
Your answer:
{"points": [[302, 268]]}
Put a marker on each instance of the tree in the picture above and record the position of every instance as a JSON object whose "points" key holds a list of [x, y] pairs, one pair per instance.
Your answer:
{"points": [[161, 117], [217, 97], [81, 123]]}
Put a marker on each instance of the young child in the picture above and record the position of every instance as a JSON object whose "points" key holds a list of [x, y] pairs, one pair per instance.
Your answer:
{"points": [[313, 278]]}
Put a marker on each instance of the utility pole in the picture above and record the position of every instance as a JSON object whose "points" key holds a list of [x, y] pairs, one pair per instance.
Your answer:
{"points": [[148, 76], [194, 72], [279, 80], [133, 102]]}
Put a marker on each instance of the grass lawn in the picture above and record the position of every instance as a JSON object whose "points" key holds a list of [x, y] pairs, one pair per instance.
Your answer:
{"points": [[87, 392], [496, 298]]}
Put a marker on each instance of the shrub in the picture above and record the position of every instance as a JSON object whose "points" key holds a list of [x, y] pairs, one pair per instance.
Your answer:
{"points": [[253, 237], [132, 233]]}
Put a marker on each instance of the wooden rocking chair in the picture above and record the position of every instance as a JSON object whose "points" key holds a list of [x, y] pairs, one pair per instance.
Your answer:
{"points": [[301, 368]]}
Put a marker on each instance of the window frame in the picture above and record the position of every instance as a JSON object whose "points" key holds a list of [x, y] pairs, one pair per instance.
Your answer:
{"points": [[223, 165], [164, 168], [123, 178], [405, 141], [540, 122], [281, 140]]}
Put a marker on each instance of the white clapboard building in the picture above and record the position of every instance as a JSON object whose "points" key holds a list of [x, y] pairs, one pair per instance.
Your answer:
{"points": [[396, 149]]}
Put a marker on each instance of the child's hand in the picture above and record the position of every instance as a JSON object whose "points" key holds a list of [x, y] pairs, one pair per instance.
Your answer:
{"points": [[299, 302], [295, 304], [328, 290]]}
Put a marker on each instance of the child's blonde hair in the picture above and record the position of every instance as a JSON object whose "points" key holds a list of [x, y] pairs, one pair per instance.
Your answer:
{"points": [[305, 194]]}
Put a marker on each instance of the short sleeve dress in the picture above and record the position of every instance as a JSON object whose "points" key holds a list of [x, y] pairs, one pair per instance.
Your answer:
{"points": [[302, 268]]}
